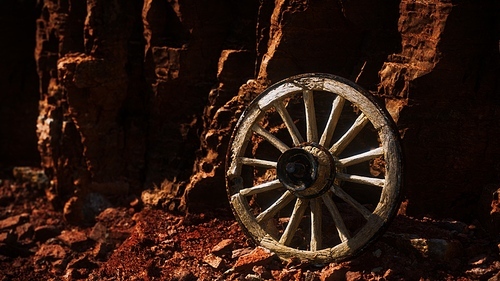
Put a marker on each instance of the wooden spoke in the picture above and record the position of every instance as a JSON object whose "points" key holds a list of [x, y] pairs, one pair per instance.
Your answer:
{"points": [[270, 138], [258, 162], [362, 157], [331, 124], [290, 125], [259, 209], [341, 144], [361, 179], [337, 218], [295, 219], [339, 192], [270, 212], [315, 243], [267, 186], [312, 128]]}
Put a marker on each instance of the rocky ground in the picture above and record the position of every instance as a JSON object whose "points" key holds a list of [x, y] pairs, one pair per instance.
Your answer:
{"points": [[134, 243]]}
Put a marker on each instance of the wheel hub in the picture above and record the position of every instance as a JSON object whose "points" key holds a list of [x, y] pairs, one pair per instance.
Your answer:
{"points": [[307, 170]]}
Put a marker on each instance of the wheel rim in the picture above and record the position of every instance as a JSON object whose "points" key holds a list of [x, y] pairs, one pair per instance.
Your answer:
{"points": [[297, 168]]}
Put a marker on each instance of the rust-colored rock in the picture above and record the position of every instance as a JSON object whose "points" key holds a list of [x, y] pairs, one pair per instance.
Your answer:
{"points": [[87, 95], [421, 26], [76, 240], [333, 272], [50, 252], [12, 222], [353, 276], [99, 232], [444, 107], [259, 256], [73, 210], [214, 261], [224, 247], [262, 272]]}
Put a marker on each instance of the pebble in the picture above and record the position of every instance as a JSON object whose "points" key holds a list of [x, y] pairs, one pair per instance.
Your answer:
{"points": [[333, 272], [259, 256], [223, 247], [214, 261], [353, 276], [50, 252], [76, 240], [99, 232], [12, 222]]}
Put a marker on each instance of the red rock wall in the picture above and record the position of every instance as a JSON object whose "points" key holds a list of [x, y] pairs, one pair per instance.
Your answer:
{"points": [[143, 94], [92, 122], [453, 111]]}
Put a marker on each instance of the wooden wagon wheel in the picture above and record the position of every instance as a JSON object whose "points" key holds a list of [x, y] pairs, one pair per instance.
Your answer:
{"points": [[314, 169]]}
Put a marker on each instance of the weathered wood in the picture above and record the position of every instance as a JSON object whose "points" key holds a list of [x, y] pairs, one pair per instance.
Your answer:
{"points": [[297, 213], [267, 186], [339, 192], [337, 218], [341, 144], [257, 162], [270, 212], [362, 157], [253, 219], [316, 222], [270, 138], [327, 135], [292, 129], [361, 179], [312, 127]]}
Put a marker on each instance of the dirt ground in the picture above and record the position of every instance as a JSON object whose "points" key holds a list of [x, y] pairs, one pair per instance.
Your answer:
{"points": [[134, 243]]}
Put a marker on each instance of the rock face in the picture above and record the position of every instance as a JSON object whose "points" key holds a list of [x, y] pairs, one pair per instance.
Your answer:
{"points": [[143, 95], [453, 107], [91, 125], [421, 25]]}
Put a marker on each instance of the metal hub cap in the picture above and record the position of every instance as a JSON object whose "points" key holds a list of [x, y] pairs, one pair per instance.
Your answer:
{"points": [[308, 170]]}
